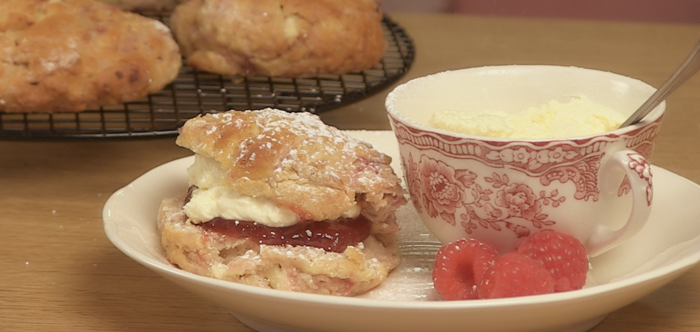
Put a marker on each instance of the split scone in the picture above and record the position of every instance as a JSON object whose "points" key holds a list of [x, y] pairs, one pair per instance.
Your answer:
{"points": [[281, 200], [284, 38], [71, 55]]}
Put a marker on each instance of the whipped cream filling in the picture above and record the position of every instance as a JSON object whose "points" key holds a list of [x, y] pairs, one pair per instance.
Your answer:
{"points": [[207, 204], [211, 199]]}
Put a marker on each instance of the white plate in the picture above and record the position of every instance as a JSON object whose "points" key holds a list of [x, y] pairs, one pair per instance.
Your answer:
{"points": [[667, 247]]}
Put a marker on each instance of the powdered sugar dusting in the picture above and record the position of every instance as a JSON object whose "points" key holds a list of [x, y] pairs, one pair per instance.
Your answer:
{"points": [[309, 126], [296, 160]]}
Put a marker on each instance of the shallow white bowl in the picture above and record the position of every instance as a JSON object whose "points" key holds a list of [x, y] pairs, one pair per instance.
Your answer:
{"points": [[667, 247]]}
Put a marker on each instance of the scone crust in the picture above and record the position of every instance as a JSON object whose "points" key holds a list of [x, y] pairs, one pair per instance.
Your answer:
{"points": [[300, 269], [297, 161], [143, 5], [284, 38], [71, 55]]}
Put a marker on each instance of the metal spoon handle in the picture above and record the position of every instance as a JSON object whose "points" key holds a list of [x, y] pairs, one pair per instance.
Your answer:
{"points": [[689, 67]]}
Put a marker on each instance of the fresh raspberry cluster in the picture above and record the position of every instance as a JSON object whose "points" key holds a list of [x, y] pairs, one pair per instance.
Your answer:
{"points": [[546, 262]]}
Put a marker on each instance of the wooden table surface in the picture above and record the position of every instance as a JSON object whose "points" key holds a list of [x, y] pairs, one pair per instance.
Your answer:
{"points": [[58, 271]]}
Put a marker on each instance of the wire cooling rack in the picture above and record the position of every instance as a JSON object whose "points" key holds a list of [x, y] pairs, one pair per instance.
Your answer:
{"points": [[195, 92]]}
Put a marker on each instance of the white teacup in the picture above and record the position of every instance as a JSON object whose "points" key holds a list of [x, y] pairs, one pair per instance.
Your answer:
{"points": [[597, 188]]}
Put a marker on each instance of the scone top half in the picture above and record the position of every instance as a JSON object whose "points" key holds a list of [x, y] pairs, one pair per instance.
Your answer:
{"points": [[278, 168]]}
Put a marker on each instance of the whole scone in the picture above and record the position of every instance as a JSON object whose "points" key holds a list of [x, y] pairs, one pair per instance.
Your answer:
{"points": [[280, 200], [71, 55], [283, 38]]}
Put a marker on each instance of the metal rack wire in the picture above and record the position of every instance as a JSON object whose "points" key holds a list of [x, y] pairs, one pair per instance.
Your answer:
{"points": [[194, 92]]}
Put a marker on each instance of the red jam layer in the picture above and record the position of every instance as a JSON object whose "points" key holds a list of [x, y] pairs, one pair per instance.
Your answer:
{"points": [[332, 236]]}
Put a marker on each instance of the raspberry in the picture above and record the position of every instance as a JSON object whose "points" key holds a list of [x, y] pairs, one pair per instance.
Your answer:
{"points": [[513, 275], [459, 267], [562, 255]]}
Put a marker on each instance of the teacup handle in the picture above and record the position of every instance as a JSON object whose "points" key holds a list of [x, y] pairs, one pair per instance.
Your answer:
{"points": [[638, 171]]}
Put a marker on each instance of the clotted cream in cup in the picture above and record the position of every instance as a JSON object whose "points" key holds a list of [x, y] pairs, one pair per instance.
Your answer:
{"points": [[597, 188]]}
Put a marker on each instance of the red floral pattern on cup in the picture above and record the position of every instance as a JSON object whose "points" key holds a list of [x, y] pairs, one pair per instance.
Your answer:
{"points": [[493, 201], [643, 168], [442, 190]]}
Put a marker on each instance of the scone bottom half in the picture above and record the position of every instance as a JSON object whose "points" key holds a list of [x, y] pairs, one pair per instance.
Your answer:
{"points": [[281, 200]]}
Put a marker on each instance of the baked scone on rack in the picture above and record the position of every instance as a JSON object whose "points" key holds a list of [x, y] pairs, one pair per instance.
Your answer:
{"points": [[281, 200], [281, 38], [72, 55]]}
